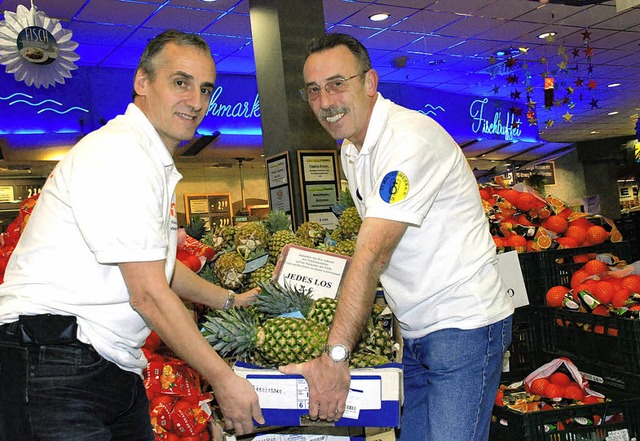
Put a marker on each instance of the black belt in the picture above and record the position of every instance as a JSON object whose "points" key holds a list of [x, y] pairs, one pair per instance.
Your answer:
{"points": [[42, 329]]}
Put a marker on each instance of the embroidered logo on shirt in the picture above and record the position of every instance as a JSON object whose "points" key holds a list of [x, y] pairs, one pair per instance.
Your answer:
{"points": [[394, 187]]}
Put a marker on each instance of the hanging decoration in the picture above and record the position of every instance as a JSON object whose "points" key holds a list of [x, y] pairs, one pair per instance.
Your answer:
{"points": [[35, 48]]}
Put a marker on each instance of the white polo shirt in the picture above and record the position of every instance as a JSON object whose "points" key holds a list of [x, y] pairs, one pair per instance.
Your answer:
{"points": [[444, 273], [110, 200]]}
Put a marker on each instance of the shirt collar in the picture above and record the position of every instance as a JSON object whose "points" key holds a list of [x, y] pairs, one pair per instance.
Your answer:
{"points": [[156, 145]]}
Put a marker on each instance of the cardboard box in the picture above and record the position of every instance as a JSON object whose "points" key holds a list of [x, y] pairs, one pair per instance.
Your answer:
{"points": [[375, 399]]}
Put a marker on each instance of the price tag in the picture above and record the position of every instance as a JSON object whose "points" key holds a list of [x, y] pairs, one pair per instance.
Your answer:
{"points": [[353, 405]]}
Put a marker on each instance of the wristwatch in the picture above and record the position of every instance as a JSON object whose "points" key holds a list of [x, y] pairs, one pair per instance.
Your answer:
{"points": [[228, 304], [337, 352]]}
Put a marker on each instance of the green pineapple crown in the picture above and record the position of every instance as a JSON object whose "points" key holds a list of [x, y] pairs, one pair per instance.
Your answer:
{"points": [[275, 300], [232, 332], [278, 220], [196, 227]]}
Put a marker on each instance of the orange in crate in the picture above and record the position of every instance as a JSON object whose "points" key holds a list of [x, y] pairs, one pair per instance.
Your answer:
{"points": [[595, 266], [596, 235]]}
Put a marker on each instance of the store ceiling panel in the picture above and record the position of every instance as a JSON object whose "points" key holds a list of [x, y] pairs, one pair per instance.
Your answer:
{"points": [[450, 45]]}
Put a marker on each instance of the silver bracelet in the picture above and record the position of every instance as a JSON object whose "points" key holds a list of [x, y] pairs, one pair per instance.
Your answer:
{"points": [[228, 304]]}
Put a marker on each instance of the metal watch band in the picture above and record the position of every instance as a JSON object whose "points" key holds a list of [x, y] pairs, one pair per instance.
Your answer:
{"points": [[228, 304]]}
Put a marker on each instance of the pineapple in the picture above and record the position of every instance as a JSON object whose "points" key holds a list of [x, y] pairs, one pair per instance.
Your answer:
{"points": [[346, 247], [279, 239], [323, 310], [280, 340], [250, 237], [262, 274], [196, 228], [349, 222], [278, 220], [221, 238], [228, 270], [312, 231], [366, 359]]}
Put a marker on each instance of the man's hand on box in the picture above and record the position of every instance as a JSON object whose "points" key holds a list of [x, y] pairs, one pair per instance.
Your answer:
{"points": [[328, 386], [239, 404]]}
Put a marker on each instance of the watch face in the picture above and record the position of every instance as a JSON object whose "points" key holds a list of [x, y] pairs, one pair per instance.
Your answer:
{"points": [[338, 353]]}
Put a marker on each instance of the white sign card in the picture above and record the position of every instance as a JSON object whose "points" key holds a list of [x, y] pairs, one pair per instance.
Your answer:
{"points": [[318, 272]]}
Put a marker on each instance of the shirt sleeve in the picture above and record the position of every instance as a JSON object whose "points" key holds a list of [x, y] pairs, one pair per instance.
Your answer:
{"points": [[409, 172], [116, 197]]}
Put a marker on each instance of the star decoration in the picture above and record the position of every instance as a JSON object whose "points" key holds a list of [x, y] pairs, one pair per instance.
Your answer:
{"points": [[512, 79], [496, 89], [531, 114], [551, 38], [545, 74], [532, 121], [590, 68], [572, 105], [548, 123], [515, 94], [510, 63], [592, 84], [492, 60], [569, 90], [567, 117], [576, 53], [523, 50], [579, 82], [531, 104], [586, 35], [563, 65], [542, 60], [515, 124], [517, 111], [588, 51], [529, 89], [562, 50], [557, 103], [594, 104], [566, 100]]}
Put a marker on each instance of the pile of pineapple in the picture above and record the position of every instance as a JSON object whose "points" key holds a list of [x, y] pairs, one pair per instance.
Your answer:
{"points": [[261, 334], [235, 246], [285, 325]]}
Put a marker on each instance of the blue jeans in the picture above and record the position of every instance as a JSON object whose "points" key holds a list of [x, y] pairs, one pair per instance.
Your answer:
{"points": [[451, 378], [68, 392]]}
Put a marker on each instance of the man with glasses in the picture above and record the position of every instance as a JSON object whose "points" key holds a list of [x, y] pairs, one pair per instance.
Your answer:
{"points": [[425, 238]]}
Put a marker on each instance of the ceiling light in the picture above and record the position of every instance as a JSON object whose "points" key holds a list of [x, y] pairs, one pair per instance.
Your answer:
{"points": [[612, 113], [512, 51], [594, 132], [613, 85], [547, 35], [379, 17]]}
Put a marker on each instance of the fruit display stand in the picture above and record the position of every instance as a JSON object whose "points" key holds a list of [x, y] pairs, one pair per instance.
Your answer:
{"points": [[610, 341], [544, 269], [617, 418]]}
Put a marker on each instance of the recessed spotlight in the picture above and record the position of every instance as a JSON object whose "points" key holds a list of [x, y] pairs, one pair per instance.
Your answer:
{"points": [[594, 132], [379, 17], [612, 113], [547, 35], [613, 85], [208, 1]]}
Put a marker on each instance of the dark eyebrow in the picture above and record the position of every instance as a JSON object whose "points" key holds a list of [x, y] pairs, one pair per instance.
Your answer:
{"points": [[207, 84], [331, 78]]}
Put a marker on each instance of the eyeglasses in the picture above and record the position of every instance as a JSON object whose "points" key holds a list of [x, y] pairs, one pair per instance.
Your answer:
{"points": [[333, 87]]}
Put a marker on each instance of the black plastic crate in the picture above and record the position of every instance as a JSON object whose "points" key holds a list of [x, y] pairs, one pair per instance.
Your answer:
{"points": [[543, 269], [571, 423], [610, 342], [524, 351]]}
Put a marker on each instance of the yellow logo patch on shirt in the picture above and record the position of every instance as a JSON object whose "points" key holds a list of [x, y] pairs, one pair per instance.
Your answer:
{"points": [[394, 187]]}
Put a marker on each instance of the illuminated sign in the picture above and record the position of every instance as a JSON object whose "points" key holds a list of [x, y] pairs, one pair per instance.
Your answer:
{"points": [[510, 128]]}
